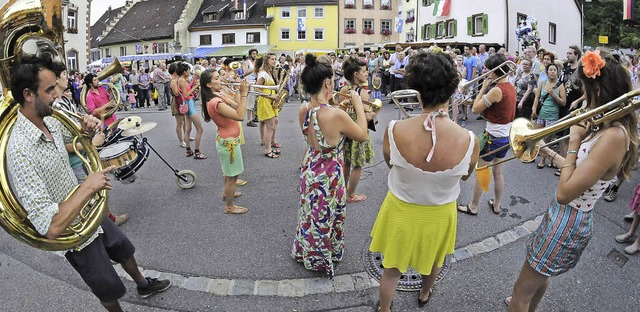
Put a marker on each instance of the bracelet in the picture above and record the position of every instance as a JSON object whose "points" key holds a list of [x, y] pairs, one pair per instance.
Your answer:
{"points": [[567, 165], [554, 156], [572, 152]]}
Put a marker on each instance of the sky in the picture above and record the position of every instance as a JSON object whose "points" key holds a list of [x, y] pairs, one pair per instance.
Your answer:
{"points": [[98, 7]]}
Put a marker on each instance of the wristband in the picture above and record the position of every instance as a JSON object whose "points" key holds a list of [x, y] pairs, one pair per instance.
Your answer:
{"points": [[486, 101], [572, 152]]}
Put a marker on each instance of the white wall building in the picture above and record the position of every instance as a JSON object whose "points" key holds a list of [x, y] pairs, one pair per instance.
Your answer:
{"points": [[75, 15], [214, 37], [494, 22]]}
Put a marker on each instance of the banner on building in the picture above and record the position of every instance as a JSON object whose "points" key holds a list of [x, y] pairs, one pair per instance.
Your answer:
{"points": [[302, 24], [628, 10], [399, 22], [441, 7]]}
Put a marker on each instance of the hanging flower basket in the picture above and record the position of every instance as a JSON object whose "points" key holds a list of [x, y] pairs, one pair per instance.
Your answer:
{"points": [[349, 30], [386, 32], [410, 19], [349, 6], [367, 31]]}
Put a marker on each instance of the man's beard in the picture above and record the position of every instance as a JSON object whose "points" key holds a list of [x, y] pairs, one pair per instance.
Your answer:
{"points": [[43, 109]]}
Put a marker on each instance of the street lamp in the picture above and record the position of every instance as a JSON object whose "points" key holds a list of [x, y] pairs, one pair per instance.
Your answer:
{"points": [[411, 34]]}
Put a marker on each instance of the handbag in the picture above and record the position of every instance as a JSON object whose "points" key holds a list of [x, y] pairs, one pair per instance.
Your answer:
{"points": [[183, 107], [154, 95]]}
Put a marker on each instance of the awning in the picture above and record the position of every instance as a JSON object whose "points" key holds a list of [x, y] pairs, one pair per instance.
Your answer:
{"points": [[239, 50], [146, 57], [203, 52]]}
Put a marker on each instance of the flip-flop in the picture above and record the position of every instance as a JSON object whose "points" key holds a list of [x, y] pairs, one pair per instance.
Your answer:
{"points": [[356, 198], [507, 301], [240, 182], [466, 210], [236, 210], [491, 205]]}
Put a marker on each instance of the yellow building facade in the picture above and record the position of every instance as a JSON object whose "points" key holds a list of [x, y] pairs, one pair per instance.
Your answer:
{"points": [[303, 26]]}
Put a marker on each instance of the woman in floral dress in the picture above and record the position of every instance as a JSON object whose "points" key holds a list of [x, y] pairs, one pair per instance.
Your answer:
{"points": [[319, 238]]}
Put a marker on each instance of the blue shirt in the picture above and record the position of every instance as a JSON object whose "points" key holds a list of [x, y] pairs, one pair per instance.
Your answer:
{"points": [[470, 63]]}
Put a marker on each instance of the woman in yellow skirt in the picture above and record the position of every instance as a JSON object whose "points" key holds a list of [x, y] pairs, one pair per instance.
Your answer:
{"points": [[416, 225], [266, 114]]}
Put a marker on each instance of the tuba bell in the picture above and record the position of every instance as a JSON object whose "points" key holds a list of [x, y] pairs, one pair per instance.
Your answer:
{"points": [[34, 28], [114, 68]]}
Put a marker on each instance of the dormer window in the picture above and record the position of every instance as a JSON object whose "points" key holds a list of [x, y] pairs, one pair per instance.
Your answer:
{"points": [[239, 15], [210, 17]]}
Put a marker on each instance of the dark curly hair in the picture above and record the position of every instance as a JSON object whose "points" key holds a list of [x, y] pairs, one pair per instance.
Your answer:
{"points": [[496, 60], [614, 81], [25, 75], [434, 75], [317, 69], [350, 66], [172, 68]]}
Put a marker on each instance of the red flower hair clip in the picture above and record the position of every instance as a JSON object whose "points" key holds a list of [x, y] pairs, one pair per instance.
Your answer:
{"points": [[592, 62]]}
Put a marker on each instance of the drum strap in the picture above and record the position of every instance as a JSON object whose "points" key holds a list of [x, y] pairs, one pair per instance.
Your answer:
{"points": [[230, 144]]}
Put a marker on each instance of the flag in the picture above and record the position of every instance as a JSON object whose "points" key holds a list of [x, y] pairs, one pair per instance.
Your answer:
{"points": [[302, 24], [628, 10], [441, 8], [399, 22]]}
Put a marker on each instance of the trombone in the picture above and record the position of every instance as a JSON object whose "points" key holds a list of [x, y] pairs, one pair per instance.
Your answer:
{"points": [[464, 86], [524, 139], [371, 106]]}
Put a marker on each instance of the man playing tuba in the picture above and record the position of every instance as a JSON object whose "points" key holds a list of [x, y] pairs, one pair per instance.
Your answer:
{"points": [[43, 178]]}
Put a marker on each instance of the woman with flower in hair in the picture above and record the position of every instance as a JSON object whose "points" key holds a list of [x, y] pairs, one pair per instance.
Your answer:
{"points": [[594, 157]]}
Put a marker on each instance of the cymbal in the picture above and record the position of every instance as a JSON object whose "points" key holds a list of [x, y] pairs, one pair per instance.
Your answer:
{"points": [[139, 129], [129, 122]]}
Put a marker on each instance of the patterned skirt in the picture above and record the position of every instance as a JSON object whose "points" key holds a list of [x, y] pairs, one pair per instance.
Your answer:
{"points": [[635, 201], [358, 153], [560, 239]]}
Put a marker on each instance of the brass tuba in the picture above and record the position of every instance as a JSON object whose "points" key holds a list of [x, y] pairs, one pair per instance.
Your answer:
{"points": [[34, 28], [114, 68]]}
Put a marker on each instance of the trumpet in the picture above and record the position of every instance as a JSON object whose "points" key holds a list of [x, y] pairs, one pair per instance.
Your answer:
{"points": [[255, 86], [464, 85], [370, 106]]}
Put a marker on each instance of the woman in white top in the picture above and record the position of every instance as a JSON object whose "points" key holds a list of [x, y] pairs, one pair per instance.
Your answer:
{"points": [[428, 155], [594, 157]]}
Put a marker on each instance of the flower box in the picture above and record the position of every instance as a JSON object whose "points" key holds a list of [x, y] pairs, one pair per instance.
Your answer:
{"points": [[386, 32], [367, 31], [410, 19], [385, 7], [368, 6], [349, 6], [349, 30]]}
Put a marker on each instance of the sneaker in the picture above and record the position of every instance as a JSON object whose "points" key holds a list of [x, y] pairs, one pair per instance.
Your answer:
{"points": [[183, 145], [611, 195], [121, 219], [192, 139], [251, 124], [154, 285]]}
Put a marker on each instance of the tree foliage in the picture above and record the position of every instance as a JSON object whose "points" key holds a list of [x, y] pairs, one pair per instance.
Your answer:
{"points": [[604, 18]]}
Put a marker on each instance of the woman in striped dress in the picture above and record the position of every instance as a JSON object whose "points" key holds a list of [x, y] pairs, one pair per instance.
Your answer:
{"points": [[594, 157]]}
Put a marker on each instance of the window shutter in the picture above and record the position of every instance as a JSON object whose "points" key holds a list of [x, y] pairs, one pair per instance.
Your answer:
{"points": [[485, 24], [470, 25], [454, 28], [423, 31], [432, 33]]}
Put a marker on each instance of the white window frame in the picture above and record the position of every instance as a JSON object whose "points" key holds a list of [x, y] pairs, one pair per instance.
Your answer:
{"points": [[163, 47], [382, 27], [253, 33], [72, 61], [314, 34], [107, 52], [371, 23], [315, 12], [352, 21], [282, 30], [448, 33], [204, 36], [553, 32], [298, 35], [477, 25], [440, 30], [285, 10], [123, 50], [226, 34], [72, 20], [303, 10]]}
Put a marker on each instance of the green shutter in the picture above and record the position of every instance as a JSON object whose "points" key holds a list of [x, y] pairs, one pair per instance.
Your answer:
{"points": [[455, 28], [434, 29], [423, 31], [470, 25], [485, 24]]}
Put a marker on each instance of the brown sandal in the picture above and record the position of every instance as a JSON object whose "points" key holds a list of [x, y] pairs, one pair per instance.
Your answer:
{"points": [[189, 152]]}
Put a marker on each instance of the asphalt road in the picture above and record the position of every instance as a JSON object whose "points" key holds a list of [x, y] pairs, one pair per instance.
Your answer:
{"points": [[186, 232]]}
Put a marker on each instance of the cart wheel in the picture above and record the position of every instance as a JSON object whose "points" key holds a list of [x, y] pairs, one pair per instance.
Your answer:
{"points": [[189, 177]]}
